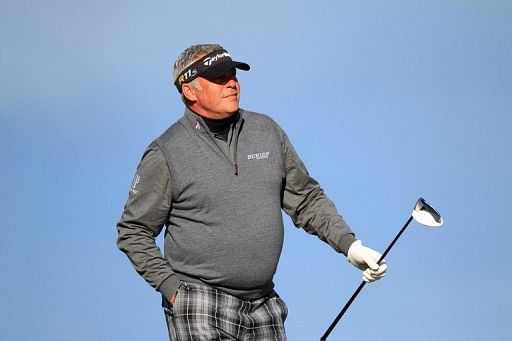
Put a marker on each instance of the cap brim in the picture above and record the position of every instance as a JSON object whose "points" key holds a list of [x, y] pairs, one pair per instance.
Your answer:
{"points": [[221, 69]]}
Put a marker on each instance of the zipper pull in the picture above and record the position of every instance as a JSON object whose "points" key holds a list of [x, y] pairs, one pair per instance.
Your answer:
{"points": [[235, 169]]}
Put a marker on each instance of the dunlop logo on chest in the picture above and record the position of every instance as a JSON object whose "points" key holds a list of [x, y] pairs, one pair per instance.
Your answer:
{"points": [[258, 156]]}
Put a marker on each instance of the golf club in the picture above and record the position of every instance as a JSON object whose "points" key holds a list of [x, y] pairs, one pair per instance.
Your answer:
{"points": [[424, 214]]}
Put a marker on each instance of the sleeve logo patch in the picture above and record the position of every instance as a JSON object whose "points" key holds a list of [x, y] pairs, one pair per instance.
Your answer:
{"points": [[135, 182]]}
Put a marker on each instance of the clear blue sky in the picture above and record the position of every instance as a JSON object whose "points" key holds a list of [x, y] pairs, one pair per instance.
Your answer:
{"points": [[385, 101]]}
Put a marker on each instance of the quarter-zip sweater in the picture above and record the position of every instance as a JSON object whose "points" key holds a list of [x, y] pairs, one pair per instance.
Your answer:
{"points": [[222, 207]]}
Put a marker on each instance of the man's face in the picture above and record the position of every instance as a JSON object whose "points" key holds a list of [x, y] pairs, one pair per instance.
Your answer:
{"points": [[217, 98]]}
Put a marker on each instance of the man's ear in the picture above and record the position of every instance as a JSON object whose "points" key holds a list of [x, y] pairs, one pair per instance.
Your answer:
{"points": [[188, 92]]}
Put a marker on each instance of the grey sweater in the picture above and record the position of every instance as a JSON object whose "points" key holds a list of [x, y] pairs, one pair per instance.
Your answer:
{"points": [[220, 203]]}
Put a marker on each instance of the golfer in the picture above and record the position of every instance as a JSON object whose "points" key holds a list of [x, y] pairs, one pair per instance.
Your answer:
{"points": [[217, 179]]}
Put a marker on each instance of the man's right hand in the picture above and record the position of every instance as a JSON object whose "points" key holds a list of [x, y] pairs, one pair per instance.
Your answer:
{"points": [[366, 259]]}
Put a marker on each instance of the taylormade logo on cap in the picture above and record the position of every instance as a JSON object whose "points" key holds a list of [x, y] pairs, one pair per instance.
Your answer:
{"points": [[209, 60]]}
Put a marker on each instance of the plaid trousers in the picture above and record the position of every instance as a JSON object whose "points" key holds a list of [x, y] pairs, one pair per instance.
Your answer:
{"points": [[203, 313]]}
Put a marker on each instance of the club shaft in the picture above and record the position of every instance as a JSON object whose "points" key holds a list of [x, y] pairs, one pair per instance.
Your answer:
{"points": [[363, 283], [342, 312], [396, 238]]}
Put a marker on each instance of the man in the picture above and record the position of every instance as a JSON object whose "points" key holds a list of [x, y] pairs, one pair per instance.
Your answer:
{"points": [[218, 179]]}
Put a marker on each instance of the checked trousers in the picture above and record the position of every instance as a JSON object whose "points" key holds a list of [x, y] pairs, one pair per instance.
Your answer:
{"points": [[203, 313]]}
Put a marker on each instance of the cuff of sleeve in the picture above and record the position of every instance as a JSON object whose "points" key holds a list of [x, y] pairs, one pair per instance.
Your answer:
{"points": [[169, 286], [345, 242]]}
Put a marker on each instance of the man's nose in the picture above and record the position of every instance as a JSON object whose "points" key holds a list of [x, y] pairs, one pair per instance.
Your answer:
{"points": [[231, 83]]}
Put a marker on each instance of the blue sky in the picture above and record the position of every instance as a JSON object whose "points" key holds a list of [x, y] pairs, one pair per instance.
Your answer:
{"points": [[385, 101]]}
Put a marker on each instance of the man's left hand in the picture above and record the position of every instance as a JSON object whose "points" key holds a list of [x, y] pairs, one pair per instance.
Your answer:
{"points": [[366, 259]]}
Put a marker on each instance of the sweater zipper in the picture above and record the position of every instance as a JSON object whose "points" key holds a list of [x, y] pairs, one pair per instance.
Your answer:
{"points": [[235, 141], [233, 162], [236, 131]]}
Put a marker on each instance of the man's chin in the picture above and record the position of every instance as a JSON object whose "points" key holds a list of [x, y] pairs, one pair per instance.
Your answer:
{"points": [[232, 109]]}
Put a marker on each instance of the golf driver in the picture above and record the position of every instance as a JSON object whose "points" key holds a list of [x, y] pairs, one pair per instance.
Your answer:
{"points": [[424, 214]]}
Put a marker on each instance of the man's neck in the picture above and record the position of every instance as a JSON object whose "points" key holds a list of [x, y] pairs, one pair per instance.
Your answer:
{"points": [[221, 127]]}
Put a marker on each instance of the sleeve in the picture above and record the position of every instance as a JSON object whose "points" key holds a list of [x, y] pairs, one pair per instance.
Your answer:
{"points": [[308, 206], [145, 213]]}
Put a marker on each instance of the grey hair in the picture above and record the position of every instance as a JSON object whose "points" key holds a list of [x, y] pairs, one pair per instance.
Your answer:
{"points": [[190, 55]]}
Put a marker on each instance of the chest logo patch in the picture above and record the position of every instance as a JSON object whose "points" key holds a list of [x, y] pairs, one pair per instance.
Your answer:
{"points": [[258, 156]]}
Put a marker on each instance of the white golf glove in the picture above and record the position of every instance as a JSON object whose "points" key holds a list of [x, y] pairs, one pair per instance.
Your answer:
{"points": [[366, 259]]}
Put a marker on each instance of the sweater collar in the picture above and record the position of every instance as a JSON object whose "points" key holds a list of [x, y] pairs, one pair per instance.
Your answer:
{"points": [[198, 122]]}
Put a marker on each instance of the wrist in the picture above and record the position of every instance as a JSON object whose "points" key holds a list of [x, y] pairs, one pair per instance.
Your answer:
{"points": [[172, 299], [345, 242], [169, 287]]}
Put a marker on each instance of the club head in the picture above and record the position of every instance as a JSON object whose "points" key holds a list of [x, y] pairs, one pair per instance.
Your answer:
{"points": [[426, 215]]}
